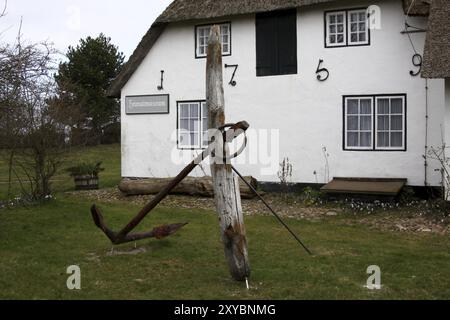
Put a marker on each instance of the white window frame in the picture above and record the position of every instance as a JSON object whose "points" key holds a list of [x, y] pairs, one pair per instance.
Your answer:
{"points": [[349, 28], [346, 131], [403, 114], [374, 135], [327, 31], [207, 29], [199, 122]]}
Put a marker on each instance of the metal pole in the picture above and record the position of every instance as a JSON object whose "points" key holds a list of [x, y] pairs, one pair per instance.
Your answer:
{"points": [[271, 210]]}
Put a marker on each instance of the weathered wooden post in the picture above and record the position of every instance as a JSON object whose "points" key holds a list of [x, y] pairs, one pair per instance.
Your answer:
{"points": [[226, 187]]}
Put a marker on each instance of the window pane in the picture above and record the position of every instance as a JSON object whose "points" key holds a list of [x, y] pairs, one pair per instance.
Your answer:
{"points": [[194, 139], [383, 122], [332, 39], [184, 139], [340, 28], [340, 38], [383, 106], [352, 123], [225, 48], [354, 37], [396, 123], [396, 139], [362, 26], [366, 138], [353, 27], [397, 106], [352, 139], [192, 125], [383, 139], [224, 29], [340, 18], [362, 37], [352, 106], [366, 106], [362, 16], [332, 19], [332, 28], [194, 112], [184, 110], [366, 123], [204, 110], [184, 125]]}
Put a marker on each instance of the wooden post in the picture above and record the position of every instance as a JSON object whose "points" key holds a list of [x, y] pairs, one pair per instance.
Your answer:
{"points": [[226, 186]]}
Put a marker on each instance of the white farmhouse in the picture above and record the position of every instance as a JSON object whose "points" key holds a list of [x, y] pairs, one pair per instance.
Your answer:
{"points": [[343, 88]]}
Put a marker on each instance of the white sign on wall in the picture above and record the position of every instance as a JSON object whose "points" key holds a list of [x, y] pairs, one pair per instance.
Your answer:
{"points": [[149, 104]]}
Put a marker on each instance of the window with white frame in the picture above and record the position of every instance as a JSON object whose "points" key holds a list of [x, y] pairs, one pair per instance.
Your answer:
{"points": [[390, 122], [359, 123], [336, 28], [202, 37], [375, 122], [357, 27], [192, 125], [346, 28]]}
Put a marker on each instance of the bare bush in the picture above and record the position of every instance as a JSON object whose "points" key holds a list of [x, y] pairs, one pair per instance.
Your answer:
{"points": [[285, 175], [29, 132]]}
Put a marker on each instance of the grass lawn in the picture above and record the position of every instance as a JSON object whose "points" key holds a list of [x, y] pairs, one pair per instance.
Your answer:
{"points": [[108, 154], [38, 244]]}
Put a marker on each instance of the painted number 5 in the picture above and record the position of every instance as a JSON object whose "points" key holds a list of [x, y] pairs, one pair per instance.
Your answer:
{"points": [[321, 72]]}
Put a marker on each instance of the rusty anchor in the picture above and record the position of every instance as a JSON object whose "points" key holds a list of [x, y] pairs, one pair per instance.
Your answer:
{"points": [[124, 235]]}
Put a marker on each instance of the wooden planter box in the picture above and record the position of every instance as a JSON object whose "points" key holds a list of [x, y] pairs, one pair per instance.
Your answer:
{"points": [[86, 183]]}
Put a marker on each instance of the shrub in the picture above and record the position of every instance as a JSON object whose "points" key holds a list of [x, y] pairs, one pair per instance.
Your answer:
{"points": [[86, 169]]}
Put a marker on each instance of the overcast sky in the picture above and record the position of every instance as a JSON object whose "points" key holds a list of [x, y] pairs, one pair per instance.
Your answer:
{"points": [[64, 22]]}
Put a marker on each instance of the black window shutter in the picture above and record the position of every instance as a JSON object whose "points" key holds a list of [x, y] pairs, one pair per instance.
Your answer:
{"points": [[266, 59], [276, 43], [287, 42]]}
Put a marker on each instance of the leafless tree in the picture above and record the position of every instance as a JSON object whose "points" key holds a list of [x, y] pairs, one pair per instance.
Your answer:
{"points": [[29, 131]]}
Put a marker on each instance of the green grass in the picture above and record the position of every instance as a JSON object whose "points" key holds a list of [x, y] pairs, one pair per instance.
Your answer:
{"points": [[38, 244], [108, 154]]}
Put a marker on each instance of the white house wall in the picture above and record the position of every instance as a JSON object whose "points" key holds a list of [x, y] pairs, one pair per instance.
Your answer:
{"points": [[307, 113]]}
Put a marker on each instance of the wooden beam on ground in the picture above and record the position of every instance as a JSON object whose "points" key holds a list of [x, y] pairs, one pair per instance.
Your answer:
{"points": [[192, 186]]}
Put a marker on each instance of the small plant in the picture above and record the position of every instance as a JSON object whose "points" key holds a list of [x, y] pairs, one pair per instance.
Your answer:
{"points": [[85, 175], [311, 197], [285, 175], [86, 169]]}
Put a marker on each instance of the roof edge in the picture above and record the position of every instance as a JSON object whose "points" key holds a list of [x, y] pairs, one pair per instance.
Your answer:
{"points": [[136, 58]]}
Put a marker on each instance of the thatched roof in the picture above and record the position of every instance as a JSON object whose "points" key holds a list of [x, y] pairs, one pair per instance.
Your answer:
{"points": [[182, 10], [436, 62], [186, 10], [418, 8]]}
